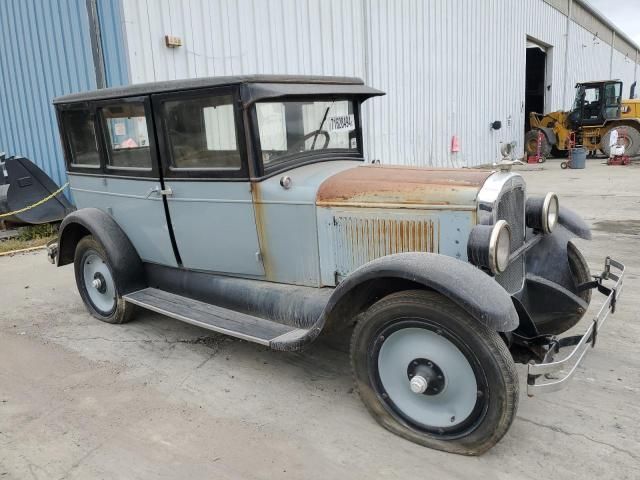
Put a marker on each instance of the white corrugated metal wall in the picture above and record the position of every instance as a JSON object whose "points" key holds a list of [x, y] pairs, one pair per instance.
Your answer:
{"points": [[449, 67]]}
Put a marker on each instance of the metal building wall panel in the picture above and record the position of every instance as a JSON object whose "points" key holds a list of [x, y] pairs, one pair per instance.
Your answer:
{"points": [[231, 37], [46, 52], [449, 67], [111, 20]]}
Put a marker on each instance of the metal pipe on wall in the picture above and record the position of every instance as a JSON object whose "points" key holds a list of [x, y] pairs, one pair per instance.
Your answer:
{"points": [[613, 42], [566, 55]]}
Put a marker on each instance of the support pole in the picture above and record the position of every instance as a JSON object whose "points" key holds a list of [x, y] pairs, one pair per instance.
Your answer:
{"points": [[613, 42], [566, 57]]}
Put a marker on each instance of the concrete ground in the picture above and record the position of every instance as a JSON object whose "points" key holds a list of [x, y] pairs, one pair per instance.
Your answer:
{"points": [[157, 398]]}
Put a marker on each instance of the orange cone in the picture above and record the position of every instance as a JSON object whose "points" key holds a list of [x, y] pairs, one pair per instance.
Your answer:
{"points": [[455, 146]]}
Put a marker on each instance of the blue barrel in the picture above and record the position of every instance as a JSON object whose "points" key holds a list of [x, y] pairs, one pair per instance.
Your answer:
{"points": [[578, 157]]}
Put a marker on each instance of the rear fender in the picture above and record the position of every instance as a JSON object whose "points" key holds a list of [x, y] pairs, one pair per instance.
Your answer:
{"points": [[123, 257]]}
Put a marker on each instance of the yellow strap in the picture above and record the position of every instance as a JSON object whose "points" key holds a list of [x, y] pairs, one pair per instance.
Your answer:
{"points": [[39, 202]]}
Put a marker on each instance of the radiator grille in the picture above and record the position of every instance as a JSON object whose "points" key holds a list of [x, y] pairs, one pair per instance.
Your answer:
{"points": [[358, 240], [511, 209]]}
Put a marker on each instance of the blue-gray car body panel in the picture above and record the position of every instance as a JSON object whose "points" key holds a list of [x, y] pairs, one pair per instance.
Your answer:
{"points": [[287, 224], [138, 212], [214, 226]]}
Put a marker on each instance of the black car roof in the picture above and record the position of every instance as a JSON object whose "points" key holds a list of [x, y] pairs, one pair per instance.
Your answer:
{"points": [[259, 86]]}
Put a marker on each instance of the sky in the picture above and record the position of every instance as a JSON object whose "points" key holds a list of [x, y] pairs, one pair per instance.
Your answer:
{"points": [[625, 14]]}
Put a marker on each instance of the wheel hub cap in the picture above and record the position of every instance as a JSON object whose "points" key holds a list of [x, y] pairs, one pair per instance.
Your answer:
{"points": [[418, 384], [427, 378], [99, 283]]}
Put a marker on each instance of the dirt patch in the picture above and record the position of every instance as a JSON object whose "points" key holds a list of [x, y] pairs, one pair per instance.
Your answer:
{"points": [[627, 227]]}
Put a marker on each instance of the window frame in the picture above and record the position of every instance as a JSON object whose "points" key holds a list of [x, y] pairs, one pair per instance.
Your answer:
{"points": [[104, 139], [310, 157], [88, 107], [166, 156]]}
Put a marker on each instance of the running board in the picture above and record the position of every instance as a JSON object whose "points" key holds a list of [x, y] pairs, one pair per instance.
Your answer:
{"points": [[217, 319]]}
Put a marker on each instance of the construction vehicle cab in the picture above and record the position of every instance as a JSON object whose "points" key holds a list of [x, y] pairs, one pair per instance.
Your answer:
{"points": [[595, 103], [598, 109]]}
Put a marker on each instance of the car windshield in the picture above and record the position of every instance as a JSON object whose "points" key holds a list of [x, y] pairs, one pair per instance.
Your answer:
{"points": [[289, 128]]}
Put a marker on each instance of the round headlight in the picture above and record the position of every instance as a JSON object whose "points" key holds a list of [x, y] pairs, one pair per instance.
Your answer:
{"points": [[499, 247], [542, 213], [550, 212]]}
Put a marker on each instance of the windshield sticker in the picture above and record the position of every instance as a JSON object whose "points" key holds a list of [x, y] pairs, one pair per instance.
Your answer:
{"points": [[120, 129], [342, 123]]}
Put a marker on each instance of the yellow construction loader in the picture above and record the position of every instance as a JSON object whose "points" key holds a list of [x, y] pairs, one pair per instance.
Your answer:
{"points": [[598, 109]]}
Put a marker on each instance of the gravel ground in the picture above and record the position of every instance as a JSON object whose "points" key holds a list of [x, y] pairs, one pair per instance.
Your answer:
{"points": [[156, 398]]}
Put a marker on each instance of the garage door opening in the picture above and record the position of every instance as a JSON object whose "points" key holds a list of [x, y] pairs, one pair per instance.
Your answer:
{"points": [[534, 89]]}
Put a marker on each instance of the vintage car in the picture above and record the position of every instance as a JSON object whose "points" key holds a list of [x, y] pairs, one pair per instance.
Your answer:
{"points": [[244, 205]]}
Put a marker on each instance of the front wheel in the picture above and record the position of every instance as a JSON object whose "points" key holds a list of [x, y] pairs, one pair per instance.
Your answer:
{"points": [[432, 374], [97, 284]]}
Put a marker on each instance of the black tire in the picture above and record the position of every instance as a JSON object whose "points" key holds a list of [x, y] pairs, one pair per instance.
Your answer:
{"points": [[632, 136], [487, 355], [531, 144], [581, 274], [121, 312]]}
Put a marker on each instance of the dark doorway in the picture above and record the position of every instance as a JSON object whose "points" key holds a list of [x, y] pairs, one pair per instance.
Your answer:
{"points": [[534, 83]]}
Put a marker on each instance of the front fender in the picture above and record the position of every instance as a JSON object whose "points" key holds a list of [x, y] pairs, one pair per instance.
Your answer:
{"points": [[467, 286], [123, 257], [574, 223]]}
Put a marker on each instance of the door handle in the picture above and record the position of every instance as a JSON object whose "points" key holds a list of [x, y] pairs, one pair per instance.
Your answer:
{"points": [[166, 192]]}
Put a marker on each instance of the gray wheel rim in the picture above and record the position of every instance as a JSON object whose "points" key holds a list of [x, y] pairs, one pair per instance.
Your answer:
{"points": [[453, 404], [102, 295]]}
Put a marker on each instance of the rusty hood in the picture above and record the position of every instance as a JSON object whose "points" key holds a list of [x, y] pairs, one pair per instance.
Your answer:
{"points": [[402, 187]]}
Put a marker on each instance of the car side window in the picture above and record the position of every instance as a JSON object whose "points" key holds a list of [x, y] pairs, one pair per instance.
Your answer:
{"points": [[81, 137], [127, 136], [202, 133]]}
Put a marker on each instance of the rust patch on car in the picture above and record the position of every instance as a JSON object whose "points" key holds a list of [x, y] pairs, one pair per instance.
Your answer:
{"points": [[402, 187], [258, 210]]}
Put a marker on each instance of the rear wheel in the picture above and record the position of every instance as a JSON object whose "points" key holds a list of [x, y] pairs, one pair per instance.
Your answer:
{"points": [[531, 144], [630, 137], [430, 373], [97, 284]]}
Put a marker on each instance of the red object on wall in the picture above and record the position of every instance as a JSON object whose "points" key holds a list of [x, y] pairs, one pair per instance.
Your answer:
{"points": [[455, 146]]}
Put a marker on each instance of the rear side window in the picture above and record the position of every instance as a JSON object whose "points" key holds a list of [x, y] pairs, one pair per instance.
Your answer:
{"points": [[81, 136], [127, 136], [202, 133]]}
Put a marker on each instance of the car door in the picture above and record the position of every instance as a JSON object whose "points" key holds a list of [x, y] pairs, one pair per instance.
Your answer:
{"points": [[205, 168], [113, 166]]}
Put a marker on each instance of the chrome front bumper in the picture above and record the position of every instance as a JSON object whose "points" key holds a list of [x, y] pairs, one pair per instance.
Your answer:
{"points": [[539, 372]]}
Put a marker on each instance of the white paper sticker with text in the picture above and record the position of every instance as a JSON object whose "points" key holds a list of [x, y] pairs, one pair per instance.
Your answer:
{"points": [[342, 123]]}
